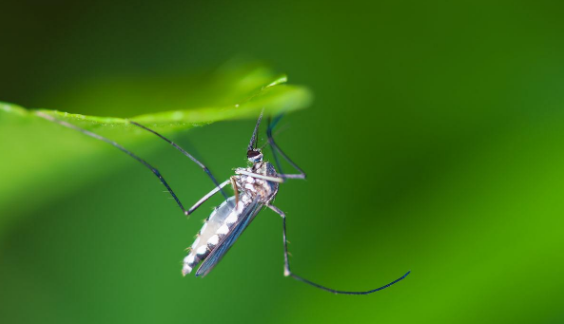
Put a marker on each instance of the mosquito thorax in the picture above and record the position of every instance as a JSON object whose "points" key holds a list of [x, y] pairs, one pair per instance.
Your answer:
{"points": [[254, 156]]}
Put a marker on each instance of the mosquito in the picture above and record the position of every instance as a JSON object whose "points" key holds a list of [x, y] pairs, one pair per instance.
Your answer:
{"points": [[255, 188]]}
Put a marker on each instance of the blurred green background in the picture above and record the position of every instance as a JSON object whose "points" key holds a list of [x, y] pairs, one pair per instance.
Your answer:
{"points": [[434, 144]]}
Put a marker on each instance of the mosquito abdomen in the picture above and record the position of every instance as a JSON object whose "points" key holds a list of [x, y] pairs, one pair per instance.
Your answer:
{"points": [[215, 228]]}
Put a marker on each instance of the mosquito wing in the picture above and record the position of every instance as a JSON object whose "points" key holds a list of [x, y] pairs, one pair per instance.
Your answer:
{"points": [[217, 254]]}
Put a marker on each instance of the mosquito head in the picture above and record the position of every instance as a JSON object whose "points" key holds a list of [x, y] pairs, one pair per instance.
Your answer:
{"points": [[254, 155]]}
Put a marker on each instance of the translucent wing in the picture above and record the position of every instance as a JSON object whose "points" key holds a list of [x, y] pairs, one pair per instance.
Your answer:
{"points": [[217, 254]]}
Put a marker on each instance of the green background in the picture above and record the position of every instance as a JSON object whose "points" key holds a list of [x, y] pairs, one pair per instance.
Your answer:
{"points": [[434, 144]]}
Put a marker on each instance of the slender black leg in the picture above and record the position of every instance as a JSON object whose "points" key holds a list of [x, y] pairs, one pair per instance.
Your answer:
{"points": [[209, 195], [121, 148], [200, 164], [275, 148], [288, 272]]}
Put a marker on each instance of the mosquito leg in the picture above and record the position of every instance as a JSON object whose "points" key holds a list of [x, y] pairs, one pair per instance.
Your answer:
{"points": [[119, 147], [200, 164], [275, 148], [277, 210], [258, 176], [208, 196], [288, 272]]}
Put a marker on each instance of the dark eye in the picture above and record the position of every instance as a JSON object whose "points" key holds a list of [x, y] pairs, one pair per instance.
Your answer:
{"points": [[252, 154]]}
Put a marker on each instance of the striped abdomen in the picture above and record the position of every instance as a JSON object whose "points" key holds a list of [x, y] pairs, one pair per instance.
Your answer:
{"points": [[215, 229]]}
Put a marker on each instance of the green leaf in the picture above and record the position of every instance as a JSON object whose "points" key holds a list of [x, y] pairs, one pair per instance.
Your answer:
{"points": [[38, 153]]}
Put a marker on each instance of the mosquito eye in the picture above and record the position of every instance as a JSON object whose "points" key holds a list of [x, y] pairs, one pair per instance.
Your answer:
{"points": [[252, 154]]}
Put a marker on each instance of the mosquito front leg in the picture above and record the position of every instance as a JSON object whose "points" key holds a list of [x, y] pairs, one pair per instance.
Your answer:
{"points": [[258, 176]]}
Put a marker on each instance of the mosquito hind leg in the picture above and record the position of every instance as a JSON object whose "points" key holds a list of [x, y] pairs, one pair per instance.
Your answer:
{"points": [[276, 149], [209, 195], [289, 273], [183, 151], [119, 147]]}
